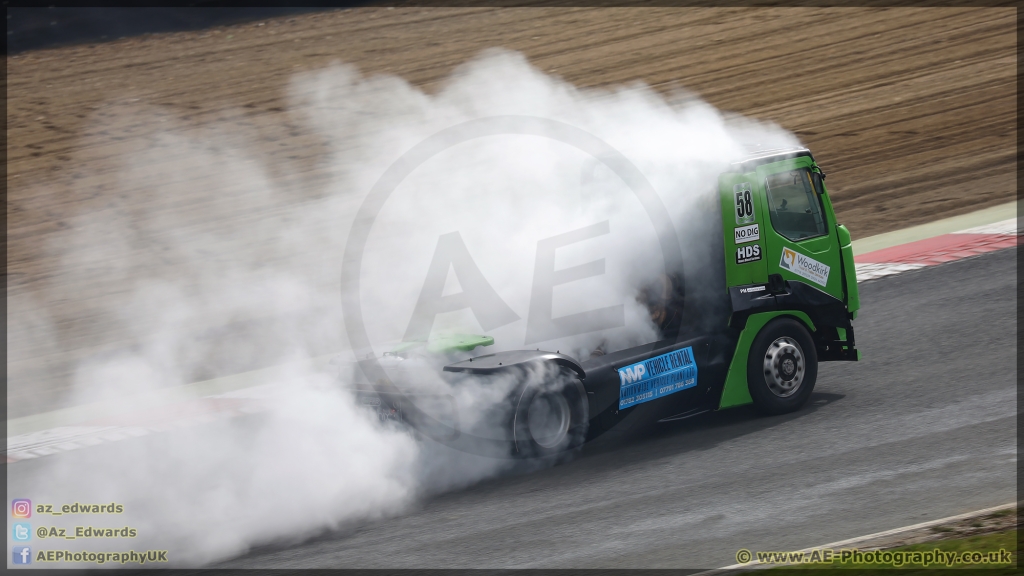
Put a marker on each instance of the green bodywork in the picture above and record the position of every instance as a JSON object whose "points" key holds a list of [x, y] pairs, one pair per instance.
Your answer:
{"points": [[445, 343], [849, 271], [826, 260]]}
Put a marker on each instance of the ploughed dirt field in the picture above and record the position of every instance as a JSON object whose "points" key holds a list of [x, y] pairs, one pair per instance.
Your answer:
{"points": [[912, 112]]}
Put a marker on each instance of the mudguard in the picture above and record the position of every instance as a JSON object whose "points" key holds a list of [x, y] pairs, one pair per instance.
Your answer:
{"points": [[512, 359], [500, 361]]}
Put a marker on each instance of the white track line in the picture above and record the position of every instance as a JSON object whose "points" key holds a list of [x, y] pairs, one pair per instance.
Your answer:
{"points": [[859, 539], [1004, 227], [872, 270]]}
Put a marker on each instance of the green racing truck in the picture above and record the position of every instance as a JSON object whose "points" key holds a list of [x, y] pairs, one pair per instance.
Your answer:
{"points": [[785, 279]]}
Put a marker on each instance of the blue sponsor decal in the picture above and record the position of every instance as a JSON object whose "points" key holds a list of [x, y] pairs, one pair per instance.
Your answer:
{"points": [[657, 377]]}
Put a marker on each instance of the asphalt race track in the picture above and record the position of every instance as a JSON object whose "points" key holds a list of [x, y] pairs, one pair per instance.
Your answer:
{"points": [[924, 427]]}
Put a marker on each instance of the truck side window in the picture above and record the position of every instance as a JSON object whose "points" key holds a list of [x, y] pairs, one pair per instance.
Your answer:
{"points": [[794, 206]]}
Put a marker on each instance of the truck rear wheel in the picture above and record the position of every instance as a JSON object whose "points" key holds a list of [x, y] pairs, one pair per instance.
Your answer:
{"points": [[782, 367], [550, 421]]}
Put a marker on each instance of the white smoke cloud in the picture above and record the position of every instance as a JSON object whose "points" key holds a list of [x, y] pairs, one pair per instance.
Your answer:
{"points": [[213, 288]]}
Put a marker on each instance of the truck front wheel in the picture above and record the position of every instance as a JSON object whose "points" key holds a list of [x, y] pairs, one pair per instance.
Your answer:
{"points": [[782, 367]]}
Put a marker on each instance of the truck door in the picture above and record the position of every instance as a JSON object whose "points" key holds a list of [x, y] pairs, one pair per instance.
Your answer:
{"points": [[742, 220], [800, 240]]}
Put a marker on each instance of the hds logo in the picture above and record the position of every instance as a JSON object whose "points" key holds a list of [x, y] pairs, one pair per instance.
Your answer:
{"points": [[750, 253]]}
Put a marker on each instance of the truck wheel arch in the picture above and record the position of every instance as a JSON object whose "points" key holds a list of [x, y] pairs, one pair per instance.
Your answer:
{"points": [[734, 390]]}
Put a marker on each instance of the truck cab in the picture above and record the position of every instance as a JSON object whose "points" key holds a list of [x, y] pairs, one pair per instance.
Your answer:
{"points": [[786, 256]]}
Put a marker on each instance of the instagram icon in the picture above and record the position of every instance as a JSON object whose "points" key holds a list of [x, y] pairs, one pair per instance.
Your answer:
{"points": [[21, 508]]}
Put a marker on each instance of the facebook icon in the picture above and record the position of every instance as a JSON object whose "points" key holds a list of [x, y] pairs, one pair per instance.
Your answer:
{"points": [[21, 555]]}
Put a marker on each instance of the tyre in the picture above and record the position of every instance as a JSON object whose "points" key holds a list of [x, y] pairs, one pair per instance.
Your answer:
{"points": [[782, 367], [550, 420]]}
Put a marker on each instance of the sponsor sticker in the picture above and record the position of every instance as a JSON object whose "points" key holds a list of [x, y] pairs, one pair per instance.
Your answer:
{"points": [[746, 234], [744, 203], [804, 266], [753, 289], [751, 253], [657, 377]]}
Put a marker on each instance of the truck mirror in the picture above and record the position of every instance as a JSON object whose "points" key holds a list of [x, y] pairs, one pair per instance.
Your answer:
{"points": [[816, 178]]}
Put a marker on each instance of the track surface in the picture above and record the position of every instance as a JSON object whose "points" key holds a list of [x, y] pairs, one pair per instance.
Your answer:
{"points": [[923, 428], [911, 111]]}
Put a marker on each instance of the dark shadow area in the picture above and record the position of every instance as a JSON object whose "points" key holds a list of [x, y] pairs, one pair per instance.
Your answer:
{"points": [[32, 28], [701, 432]]}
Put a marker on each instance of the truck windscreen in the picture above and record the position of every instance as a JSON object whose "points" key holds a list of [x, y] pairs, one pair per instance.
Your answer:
{"points": [[794, 206]]}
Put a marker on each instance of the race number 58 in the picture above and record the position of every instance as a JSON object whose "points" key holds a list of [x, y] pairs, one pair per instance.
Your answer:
{"points": [[744, 203]]}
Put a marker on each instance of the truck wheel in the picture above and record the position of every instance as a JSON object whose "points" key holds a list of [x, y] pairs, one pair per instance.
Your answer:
{"points": [[549, 422], [782, 367]]}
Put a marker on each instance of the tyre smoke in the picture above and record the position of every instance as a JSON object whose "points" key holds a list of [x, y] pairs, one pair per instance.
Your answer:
{"points": [[476, 240]]}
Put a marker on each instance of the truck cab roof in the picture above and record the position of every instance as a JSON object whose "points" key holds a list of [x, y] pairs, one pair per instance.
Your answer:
{"points": [[757, 155]]}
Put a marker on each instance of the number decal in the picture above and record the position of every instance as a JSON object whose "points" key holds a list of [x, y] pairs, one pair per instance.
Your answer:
{"points": [[744, 203]]}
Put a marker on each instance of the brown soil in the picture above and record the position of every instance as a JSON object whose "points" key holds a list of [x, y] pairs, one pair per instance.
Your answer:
{"points": [[911, 111]]}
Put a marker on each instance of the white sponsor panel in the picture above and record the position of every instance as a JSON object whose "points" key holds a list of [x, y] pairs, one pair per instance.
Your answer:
{"points": [[746, 234], [804, 266]]}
